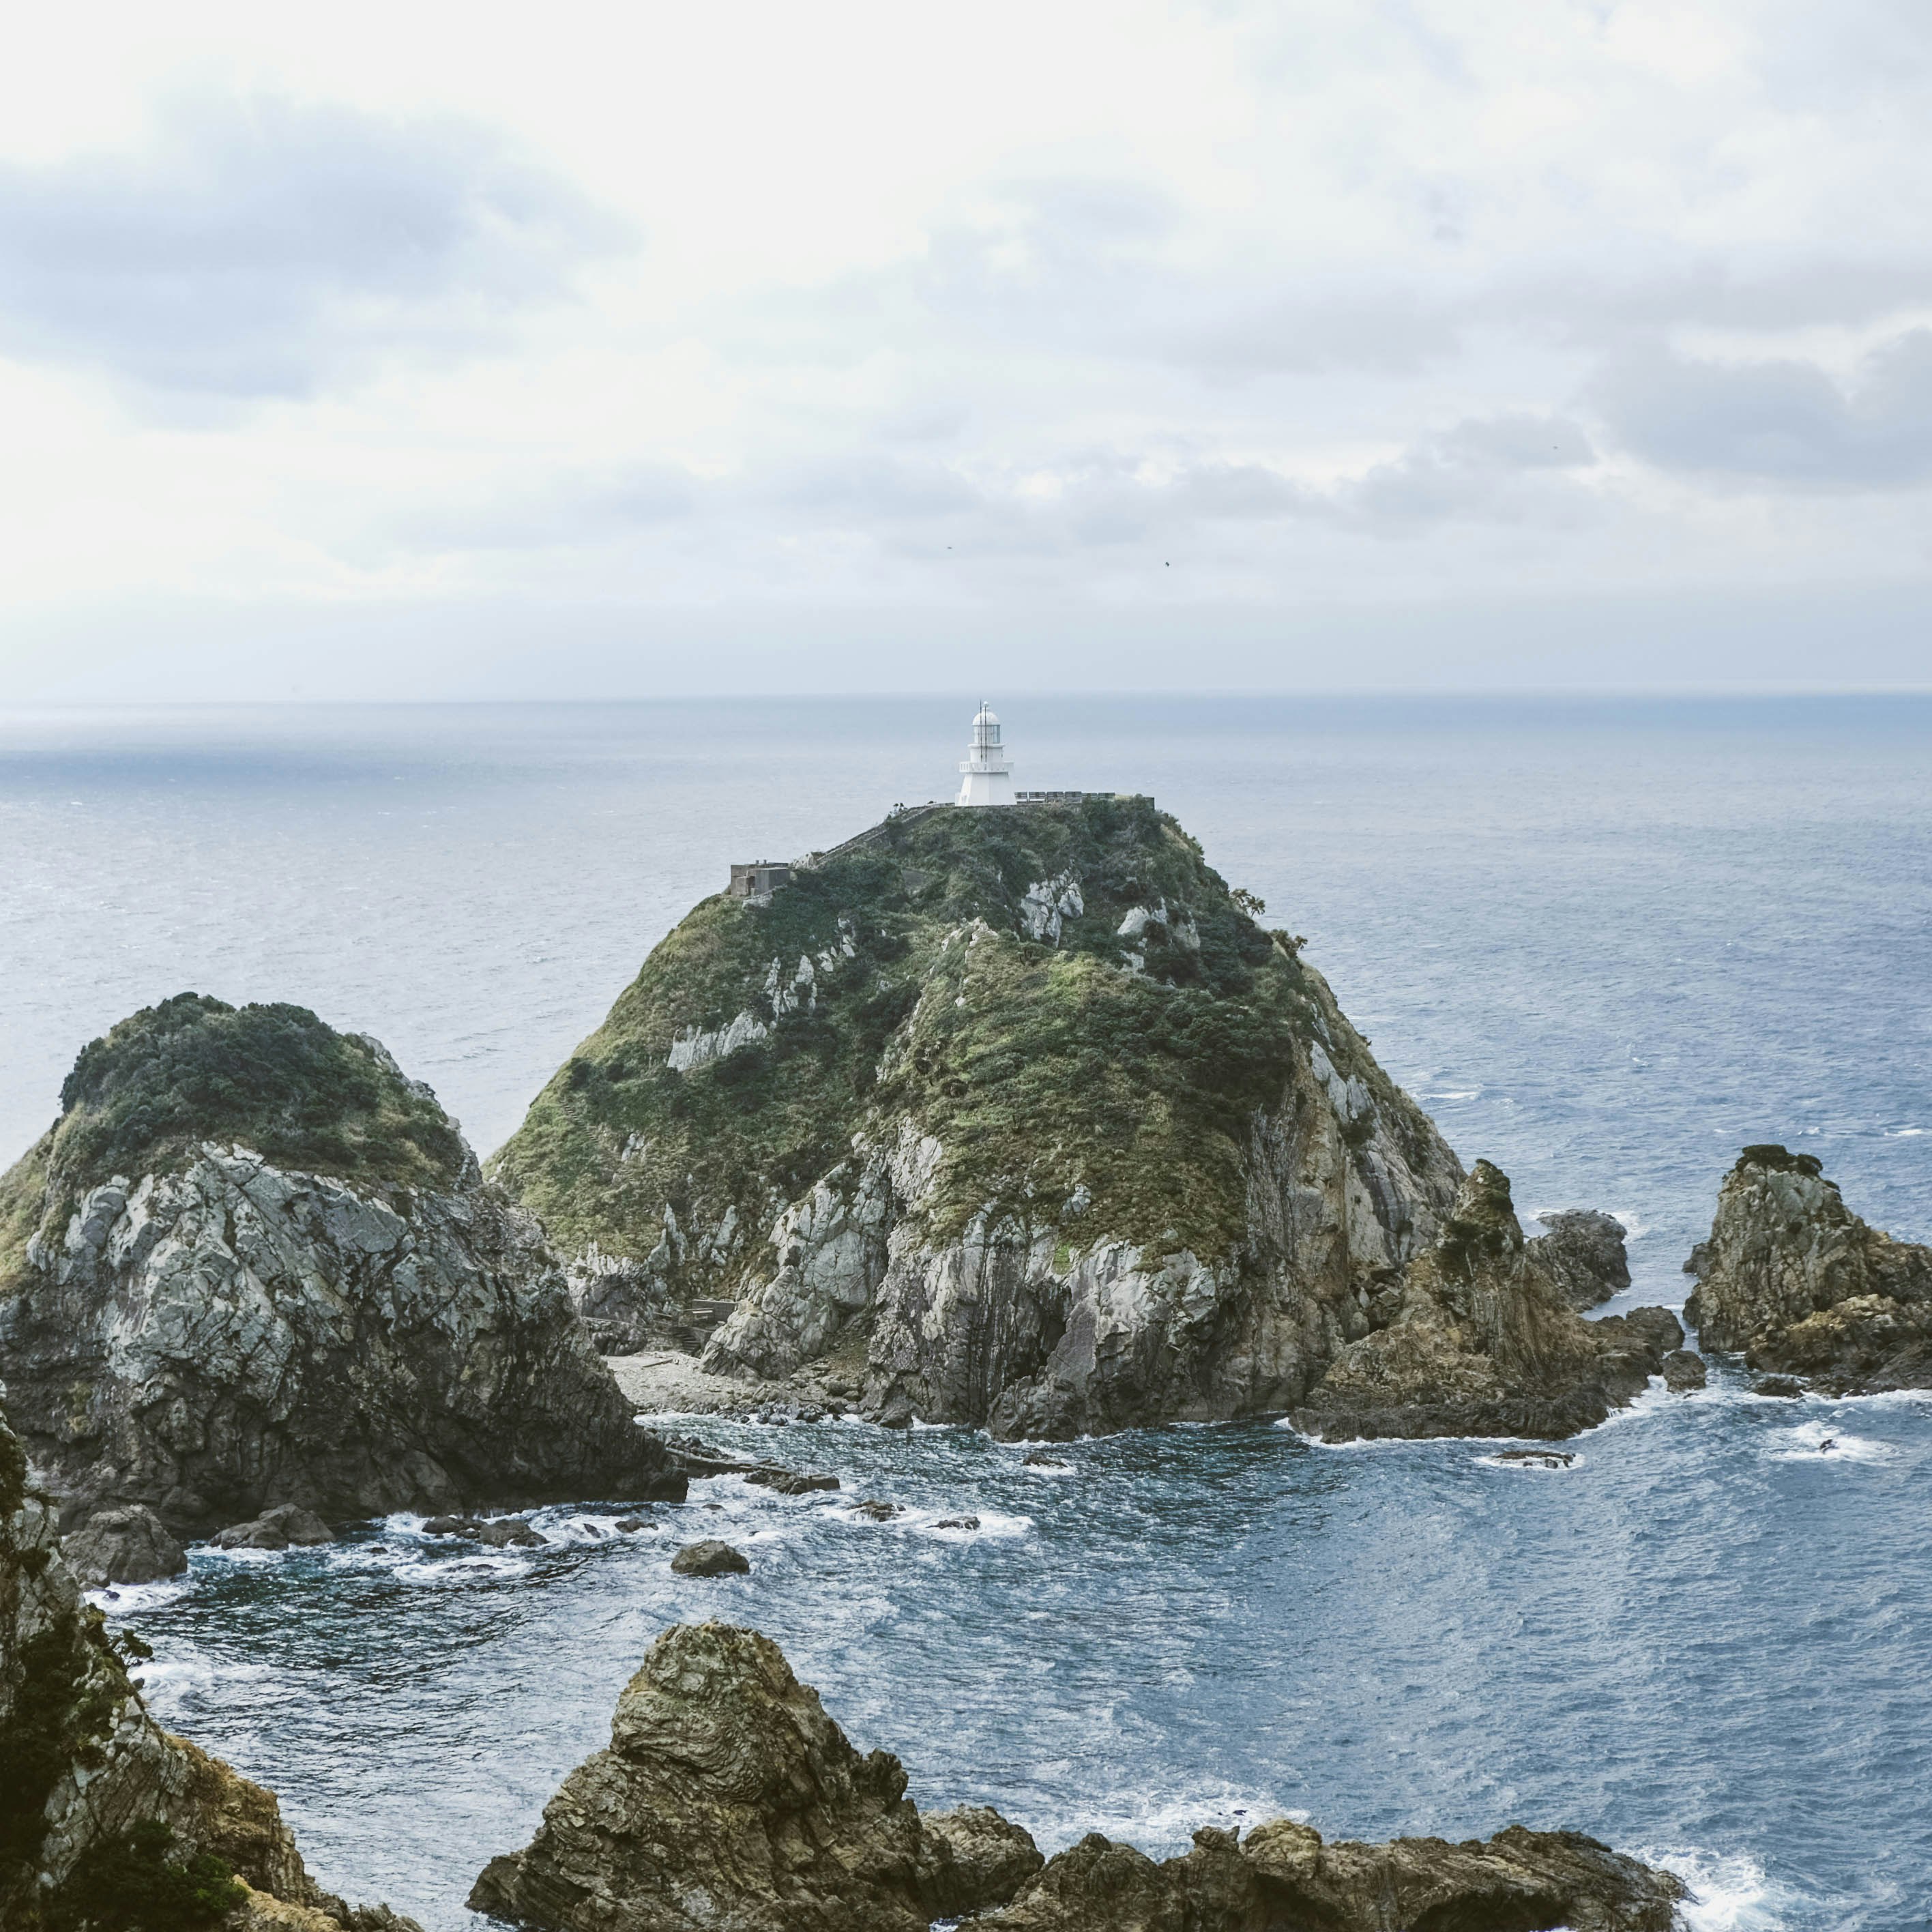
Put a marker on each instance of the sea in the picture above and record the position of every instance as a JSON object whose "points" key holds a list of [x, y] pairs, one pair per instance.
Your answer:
{"points": [[1606, 942]]}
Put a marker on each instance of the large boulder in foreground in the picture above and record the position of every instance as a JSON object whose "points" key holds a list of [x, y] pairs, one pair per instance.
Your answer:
{"points": [[252, 1264], [1282, 1878], [728, 1800], [98, 1805], [1484, 1342], [1792, 1278], [1018, 1116]]}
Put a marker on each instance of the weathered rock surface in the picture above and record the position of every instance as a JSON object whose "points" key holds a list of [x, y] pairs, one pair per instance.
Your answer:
{"points": [[1798, 1283], [209, 1334], [86, 1773], [728, 1800], [1052, 1174], [710, 1557], [289, 1525], [1583, 1254], [1483, 1342], [1282, 1875], [1683, 1372], [122, 1545]]}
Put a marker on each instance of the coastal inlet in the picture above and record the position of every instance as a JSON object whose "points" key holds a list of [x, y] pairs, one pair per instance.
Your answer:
{"points": [[1158, 1630]]}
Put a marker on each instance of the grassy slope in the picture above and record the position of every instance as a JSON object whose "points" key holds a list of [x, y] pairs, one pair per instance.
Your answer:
{"points": [[273, 1078], [1040, 1068]]}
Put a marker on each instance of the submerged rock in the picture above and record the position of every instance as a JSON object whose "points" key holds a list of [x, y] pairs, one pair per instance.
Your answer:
{"points": [[1284, 1875], [1583, 1254], [1128, 1165], [98, 1805], [122, 1545], [1483, 1343], [710, 1557], [1786, 1388], [335, 1312], [1798, 1283], [728, 1799]]}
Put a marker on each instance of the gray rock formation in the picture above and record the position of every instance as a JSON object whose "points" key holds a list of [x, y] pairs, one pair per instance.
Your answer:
{"points": [[209, 1334], [728, 1801], [1283, 1876], [1792, 1279], [91, 1788], [1583, 1254], [123, 1545], [1483, 1342], [710, 1557], [289, 1525]]}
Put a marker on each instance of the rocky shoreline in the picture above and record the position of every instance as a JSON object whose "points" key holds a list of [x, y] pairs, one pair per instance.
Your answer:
{"points": [[726, 1782]]}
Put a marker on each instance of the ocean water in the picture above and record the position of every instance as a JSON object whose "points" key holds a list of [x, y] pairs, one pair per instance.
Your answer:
{"points": [[1605, 943]]}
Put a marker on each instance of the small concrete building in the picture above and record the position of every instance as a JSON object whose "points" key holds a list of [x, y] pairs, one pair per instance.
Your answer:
{"points": [[758, 879], [986, 773]]}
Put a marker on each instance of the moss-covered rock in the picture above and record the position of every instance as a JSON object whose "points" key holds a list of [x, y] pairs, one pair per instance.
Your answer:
{"points": [[1027, 1094], [194, 1328], [142, 1099]]}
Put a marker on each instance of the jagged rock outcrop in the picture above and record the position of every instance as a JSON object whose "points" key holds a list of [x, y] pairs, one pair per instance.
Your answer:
{"points": [[1583, 1254], [1282, 1878], [1484, 1342], [728, 1800], [1017, 1115], [252, 1265], [1794, 1280], [93, 1792]]}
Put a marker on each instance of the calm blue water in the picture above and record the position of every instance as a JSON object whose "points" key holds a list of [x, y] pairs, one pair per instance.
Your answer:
{"points": [[1605, 944]]}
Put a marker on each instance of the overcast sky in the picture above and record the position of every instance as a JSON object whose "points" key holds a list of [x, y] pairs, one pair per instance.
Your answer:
{"points": [[474, 350]]}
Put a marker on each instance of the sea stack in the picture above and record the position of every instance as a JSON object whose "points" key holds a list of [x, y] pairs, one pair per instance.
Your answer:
{"points": [[1798, 1284], [253, 1265]]}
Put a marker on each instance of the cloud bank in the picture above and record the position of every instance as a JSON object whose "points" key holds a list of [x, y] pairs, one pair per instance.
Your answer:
{"points": [[744, 326]]}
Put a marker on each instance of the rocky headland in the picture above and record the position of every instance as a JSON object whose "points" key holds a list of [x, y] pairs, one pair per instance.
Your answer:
{"points": [[253, 1266], [1484, 1341], [1012, 1118], [727, 1800], [106, 1820], [1796, 1282]]}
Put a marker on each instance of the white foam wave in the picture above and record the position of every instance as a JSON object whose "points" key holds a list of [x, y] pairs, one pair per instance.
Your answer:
{"points": [[1729, 1891], [1822, 1441], [117, 1601], [1903, 1133], [1160, 1823], [1558, 1462]]}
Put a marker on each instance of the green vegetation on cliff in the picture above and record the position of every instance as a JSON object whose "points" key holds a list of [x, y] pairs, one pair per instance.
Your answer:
{"points": [[1066, 997], [275, 1078]]}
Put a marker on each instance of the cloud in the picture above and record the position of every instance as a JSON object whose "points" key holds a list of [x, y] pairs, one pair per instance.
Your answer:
{"points": [[1785, 423], [264, 247]]}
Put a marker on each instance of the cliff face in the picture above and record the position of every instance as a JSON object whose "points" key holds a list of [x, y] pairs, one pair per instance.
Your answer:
{"points": [[95, 1799], [1484, 1342], [1800, 1284], [188, 1325], [728, 1799], [1020, 1103]]}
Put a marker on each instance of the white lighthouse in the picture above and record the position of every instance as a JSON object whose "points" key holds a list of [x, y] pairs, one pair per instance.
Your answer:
{"points": [[986, 773]]}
